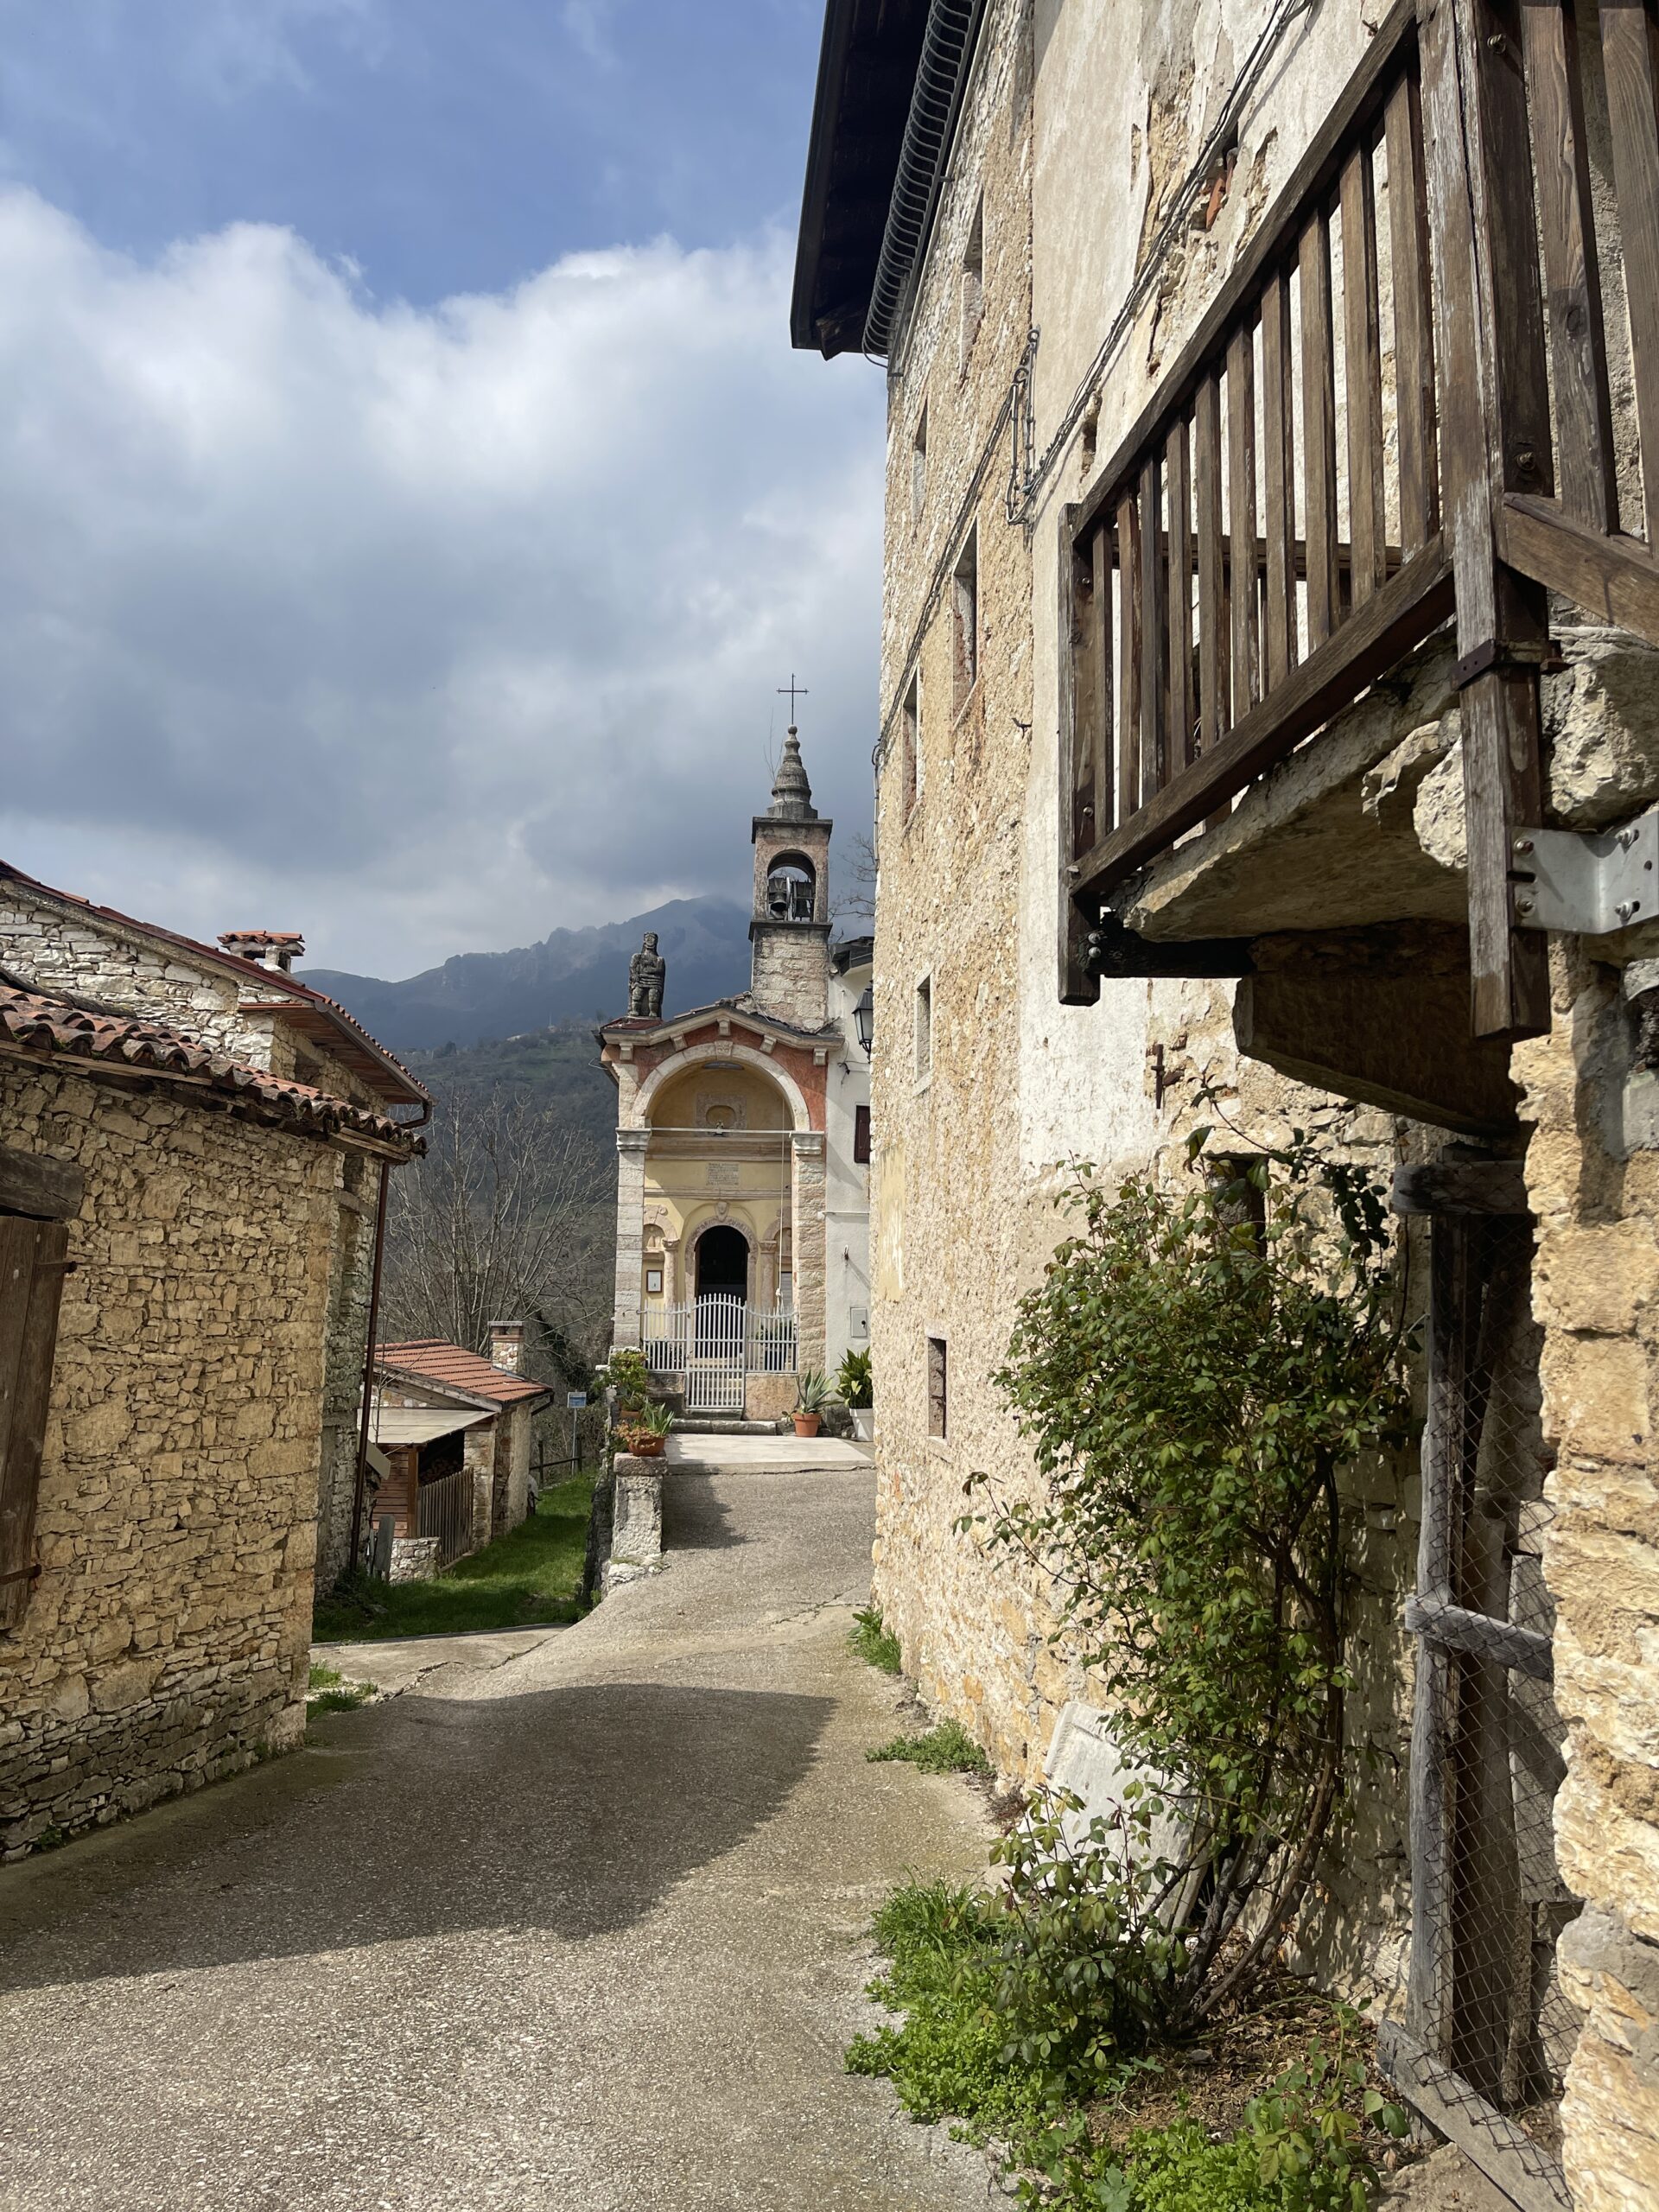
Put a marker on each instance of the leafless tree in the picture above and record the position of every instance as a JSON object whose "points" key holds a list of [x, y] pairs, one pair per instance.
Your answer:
{"points": [[504, 1219], [855, 896]]}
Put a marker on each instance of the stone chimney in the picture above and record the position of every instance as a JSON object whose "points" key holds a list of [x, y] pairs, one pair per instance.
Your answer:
{"points": [[507, 1346], [275, 948]]}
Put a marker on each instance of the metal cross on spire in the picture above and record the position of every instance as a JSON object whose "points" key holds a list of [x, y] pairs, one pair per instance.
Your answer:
{"points": [[793, 688]]}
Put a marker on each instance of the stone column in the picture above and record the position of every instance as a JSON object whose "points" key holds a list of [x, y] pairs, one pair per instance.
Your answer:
{"points": [[809, 1249], [629, 1233]]}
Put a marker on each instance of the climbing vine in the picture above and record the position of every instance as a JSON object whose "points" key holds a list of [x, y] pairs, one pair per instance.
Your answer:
{"points": [[1192, 1373]]}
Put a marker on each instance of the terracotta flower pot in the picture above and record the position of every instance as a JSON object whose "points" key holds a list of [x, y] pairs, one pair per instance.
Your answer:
{"points": [[643, 1444], [808, 1424]]}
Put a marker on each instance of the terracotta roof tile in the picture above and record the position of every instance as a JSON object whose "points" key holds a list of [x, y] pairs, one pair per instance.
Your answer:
{"points": [[57, 1025], [441, 1363], [402, 1084]]}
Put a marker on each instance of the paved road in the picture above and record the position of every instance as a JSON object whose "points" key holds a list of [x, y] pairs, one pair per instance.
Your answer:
{"points": [[579, 1930]]}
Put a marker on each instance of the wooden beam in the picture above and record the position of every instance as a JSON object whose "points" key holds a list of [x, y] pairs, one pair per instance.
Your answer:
{"points": [[1477, 1187], [1390, 623], [1075, 791], [1584, 415], [1495, 438], [1613, 576], [1456, 1629], [1522, 2170], [36, 1184]]}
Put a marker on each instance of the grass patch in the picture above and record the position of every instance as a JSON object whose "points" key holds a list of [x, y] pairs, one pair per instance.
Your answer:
{"points": [[945, 2056], [1295, 2128], [873, 1642], [947, 1749], [527, 1579], [328, 1691]]}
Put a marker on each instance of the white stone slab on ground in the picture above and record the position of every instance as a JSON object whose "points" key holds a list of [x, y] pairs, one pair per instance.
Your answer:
{"points": [[740, 1454]]}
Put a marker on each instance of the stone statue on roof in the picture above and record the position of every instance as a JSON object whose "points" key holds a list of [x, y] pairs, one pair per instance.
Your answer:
{"points": [[647, 973]]}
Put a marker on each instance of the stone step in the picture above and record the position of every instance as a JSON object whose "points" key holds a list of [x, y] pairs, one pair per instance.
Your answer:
{"points": [[711, 1425]]}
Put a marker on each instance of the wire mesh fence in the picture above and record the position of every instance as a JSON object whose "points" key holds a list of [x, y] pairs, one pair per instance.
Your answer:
{"points": [[1490, 2029]]}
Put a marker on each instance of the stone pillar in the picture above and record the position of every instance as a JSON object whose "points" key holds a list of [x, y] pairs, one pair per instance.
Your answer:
{"points": [[477, 1454], [809, 1248], [629, 1233]]}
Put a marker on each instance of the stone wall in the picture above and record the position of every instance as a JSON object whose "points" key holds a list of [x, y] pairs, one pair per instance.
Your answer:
{"points": [[134, 969], [1593, 1172], [165, 1641], [972, 1149]]}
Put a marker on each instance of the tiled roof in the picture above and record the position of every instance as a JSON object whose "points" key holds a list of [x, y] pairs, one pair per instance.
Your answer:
{"points": [[58, 1026], [449, 1366], [380, 1067]]}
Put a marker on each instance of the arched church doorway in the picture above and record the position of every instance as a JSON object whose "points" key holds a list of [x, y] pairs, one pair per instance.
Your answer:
{"points": [[722, 1263]]}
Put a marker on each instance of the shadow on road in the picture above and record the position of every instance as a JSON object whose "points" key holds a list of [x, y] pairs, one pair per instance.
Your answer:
{"points": [[694, 1519], [572, 1810]]}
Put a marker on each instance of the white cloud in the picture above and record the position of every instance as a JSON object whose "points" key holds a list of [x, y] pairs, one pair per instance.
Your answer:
{"points": [[421, 631]]}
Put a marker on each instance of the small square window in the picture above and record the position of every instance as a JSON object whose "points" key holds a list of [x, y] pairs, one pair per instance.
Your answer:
{"points": [[965, 618], [924, 1028], [938, 1388]]}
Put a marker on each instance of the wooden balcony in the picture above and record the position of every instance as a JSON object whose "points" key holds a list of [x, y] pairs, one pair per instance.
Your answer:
{"points": [[1395, 410]]}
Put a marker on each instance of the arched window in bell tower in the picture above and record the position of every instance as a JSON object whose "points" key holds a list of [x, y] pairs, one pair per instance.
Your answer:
{"points": [[792, 889]]}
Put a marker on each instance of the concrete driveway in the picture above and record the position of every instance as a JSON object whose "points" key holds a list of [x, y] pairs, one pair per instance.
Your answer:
{"points": [[581, 1929]]}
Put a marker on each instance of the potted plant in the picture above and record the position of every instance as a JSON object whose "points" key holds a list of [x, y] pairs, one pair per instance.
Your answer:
{"points": [[644, 1430], [854, 1388], [627, 1377], [811, 1392]]}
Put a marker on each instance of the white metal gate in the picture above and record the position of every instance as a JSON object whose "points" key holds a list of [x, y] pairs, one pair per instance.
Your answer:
{"points": [[715, 1355], [708, 1345]]}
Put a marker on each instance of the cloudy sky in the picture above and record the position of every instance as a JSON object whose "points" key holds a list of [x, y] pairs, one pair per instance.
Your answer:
{"points": [[412, 502]]}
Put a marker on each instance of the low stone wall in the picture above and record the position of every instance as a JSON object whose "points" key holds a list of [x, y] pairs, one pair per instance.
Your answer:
{"points": [[166, 1642]]}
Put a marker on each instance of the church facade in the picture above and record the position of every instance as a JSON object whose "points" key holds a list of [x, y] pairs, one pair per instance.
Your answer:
{"points": [[742, 1248]]}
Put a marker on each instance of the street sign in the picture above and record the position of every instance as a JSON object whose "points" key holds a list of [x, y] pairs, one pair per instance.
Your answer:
{"points": [[575, 1399]]}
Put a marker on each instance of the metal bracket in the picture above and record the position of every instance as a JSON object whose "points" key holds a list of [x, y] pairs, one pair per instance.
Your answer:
{"points": [[1587, 882]]}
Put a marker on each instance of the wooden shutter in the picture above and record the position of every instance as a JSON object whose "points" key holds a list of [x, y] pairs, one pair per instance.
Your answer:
{"points": [[33, 1263]]}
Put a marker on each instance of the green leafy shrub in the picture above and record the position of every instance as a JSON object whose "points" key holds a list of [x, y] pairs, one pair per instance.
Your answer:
{"points": [[855, 1381], [947, 1749], [1085, 1964], [874, 1642], [628, 1374], [945, 2057], [1191, 1374]]}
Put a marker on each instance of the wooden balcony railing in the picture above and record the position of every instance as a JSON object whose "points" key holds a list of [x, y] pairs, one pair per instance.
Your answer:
{"points": [[1364, 435]]}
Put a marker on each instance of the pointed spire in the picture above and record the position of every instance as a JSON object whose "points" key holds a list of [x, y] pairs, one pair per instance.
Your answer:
{"points": [[792, 794]]}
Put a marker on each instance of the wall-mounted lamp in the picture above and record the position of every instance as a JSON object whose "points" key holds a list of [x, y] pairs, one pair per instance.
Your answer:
{"points": [[864, 1020]]}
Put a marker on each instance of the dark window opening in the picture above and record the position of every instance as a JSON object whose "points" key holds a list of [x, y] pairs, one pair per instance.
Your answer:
{"points": [[938, 1388], [862, 1135], [722, 1263]]}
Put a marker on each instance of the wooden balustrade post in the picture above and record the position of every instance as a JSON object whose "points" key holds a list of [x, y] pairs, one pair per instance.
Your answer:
{"points": [[1495, 438]]}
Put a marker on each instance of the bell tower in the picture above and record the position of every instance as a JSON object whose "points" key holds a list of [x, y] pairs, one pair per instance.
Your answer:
{"points": [[788, 931]]}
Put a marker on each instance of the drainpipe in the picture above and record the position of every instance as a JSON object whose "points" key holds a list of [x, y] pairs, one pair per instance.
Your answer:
{"points": [[361, 1483]]}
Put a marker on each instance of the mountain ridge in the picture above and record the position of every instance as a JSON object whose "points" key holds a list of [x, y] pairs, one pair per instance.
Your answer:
{"points": [[570, 975]]}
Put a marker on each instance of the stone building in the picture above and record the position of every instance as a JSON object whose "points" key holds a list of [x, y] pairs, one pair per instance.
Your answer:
{"points": [[1335, 300], [240, 998], [456, 1431], [743, 1143], [169, 1225]]}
